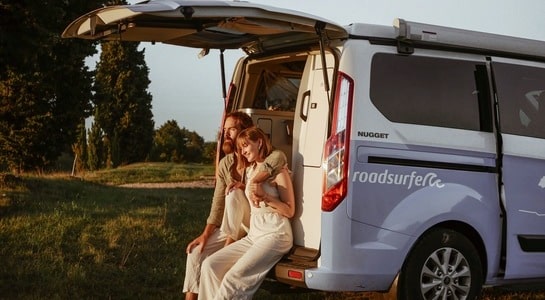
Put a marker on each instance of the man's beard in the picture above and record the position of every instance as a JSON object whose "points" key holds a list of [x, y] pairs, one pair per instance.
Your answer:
{"points": [[228, 146]]}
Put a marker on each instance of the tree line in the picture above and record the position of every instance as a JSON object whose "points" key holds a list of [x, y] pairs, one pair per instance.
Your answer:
{"points": [[47, 92]]}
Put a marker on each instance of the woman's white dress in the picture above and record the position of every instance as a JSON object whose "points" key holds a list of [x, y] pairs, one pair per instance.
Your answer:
{"points": [[236, 271]]}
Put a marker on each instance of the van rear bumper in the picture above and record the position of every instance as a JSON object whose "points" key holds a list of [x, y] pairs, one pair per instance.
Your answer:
{"points": [[325, 280], [305, 274]]}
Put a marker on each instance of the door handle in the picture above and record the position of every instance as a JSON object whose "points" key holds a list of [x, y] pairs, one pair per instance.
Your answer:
{"points": [[303, 110]]}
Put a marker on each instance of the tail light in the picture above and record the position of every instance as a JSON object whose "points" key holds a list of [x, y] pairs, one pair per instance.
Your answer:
{"points": [[337, 146]]}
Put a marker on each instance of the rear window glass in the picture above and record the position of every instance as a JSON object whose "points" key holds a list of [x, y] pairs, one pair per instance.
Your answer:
{"points": [[277, 91], [426, 90], [521, 97]]}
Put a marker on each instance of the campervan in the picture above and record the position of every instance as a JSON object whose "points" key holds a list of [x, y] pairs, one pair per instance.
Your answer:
{"points": [[417, 150]]}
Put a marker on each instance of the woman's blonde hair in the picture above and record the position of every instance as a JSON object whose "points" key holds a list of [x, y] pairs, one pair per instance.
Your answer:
{"points": [[253, 134]]}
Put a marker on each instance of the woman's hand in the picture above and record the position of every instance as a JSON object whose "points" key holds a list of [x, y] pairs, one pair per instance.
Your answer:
{"points": [[256, 193]]}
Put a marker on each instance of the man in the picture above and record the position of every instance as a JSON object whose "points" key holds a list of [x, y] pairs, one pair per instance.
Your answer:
{"points": [[212, 238]]}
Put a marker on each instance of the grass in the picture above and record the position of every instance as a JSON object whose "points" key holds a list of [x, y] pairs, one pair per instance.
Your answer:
{"points": [[151, 173], [67, 238]]}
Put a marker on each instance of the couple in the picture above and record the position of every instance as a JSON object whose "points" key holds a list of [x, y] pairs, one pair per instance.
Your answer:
{"points": [[221, 264]]}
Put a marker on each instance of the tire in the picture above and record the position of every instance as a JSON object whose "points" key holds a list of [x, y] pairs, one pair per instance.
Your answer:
{"points": [[443, 264]]}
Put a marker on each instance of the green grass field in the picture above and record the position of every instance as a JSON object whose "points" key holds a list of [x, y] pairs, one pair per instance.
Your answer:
{"points": [[71, 238]]}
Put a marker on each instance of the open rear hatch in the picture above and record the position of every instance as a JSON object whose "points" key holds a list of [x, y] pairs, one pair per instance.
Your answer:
{"points": [[204, 24]]}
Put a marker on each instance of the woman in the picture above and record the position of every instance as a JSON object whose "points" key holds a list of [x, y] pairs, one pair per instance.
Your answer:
{"points": [[236, 271]]}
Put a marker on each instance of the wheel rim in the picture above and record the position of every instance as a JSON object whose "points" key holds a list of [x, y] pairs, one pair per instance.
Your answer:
{"points": [[446, 274]]}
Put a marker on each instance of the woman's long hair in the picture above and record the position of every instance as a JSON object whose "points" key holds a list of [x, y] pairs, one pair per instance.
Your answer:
{"points": [[253, 134]]}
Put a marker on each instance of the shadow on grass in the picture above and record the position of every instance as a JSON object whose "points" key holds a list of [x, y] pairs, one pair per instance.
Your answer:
{"points": [[66, 238]]}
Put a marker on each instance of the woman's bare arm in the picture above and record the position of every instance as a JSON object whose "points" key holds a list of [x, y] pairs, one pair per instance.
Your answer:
{"points": [[285, 203]]}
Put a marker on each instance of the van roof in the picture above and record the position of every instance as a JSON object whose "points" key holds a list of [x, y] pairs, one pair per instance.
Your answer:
{"points": [[408, 34]]}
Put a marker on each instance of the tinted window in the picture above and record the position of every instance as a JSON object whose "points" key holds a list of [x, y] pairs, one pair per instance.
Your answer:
{"points": [[521, 99], [427, 91]]}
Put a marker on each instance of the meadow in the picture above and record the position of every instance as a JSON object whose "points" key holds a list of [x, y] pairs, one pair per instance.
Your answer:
{"points": [[91, 237]]}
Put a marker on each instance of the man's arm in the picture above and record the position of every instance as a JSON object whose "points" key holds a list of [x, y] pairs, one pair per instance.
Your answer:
{"points": [[273, 164], [223, 179]]}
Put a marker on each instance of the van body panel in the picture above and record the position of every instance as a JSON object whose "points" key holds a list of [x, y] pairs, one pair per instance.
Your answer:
{"points": [[524, 180], [401, 197], [410, 199], [369, 248]]}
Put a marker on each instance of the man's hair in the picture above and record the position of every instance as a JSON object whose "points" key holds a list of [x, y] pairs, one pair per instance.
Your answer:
{"points": [[242, 120]]}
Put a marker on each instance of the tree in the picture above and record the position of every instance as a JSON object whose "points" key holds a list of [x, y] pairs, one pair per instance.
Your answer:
{"points": [[79, 148], [168, 143], [45, 87], [95, 155], [122, 105], [194, 146], [174, 144], [209, 152]]}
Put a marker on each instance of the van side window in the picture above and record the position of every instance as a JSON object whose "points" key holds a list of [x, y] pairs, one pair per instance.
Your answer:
{"points": [[521, 97], [428, 91]]}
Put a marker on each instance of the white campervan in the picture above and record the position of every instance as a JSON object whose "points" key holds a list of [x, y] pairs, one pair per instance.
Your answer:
{"points": [[418, 151]]}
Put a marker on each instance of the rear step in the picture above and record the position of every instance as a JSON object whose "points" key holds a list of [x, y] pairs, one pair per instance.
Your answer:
{"points": [[291, 269]]}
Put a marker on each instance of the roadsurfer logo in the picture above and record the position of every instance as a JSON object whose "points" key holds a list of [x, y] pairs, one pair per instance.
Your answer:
{"points": [[541, 183], [409, 180]]}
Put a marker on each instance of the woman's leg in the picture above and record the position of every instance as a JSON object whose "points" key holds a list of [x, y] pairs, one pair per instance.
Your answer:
{"points": [[244, 278], [215, 267]]}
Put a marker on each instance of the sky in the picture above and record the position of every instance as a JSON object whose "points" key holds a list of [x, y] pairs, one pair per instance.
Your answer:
{"points": [[188, 89]]}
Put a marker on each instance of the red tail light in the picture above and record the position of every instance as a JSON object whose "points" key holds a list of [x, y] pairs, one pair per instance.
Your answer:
{"points": [[337, 146], [295, 274]]}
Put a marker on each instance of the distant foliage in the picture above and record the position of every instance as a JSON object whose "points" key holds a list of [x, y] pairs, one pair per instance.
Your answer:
{"points": [[209, 154], [174, 144]]}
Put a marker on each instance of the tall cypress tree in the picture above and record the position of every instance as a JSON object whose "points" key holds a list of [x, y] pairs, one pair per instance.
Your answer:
{"points": [[95, 147], [80, 148], [122, 104]]}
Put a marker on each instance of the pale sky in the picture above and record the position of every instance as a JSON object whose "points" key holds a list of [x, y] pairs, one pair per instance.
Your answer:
{"points": [[188, 89]]}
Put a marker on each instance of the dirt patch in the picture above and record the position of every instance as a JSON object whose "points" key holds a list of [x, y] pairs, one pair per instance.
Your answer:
{"points": [[203, 183]]}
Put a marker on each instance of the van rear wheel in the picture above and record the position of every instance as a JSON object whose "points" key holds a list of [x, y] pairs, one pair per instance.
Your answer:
{"points": [[443, 264]]}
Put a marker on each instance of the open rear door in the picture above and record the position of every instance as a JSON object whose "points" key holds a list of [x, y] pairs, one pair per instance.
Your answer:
{"points": [[203, 24]]}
